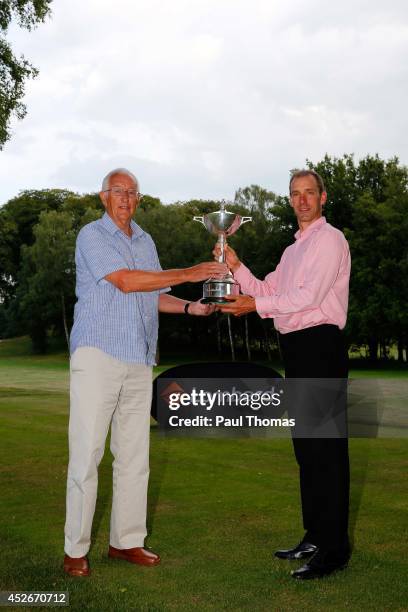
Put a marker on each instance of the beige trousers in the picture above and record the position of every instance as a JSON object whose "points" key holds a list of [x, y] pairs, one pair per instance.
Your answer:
{"points": [[103, 391]]}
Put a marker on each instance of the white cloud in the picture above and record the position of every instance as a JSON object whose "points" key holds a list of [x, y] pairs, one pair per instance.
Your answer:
{"points": [[200, 98]]}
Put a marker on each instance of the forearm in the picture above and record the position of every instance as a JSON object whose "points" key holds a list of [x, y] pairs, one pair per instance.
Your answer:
{"points": [[250, 285], [144, 280], [171, 304], [322, 272], [297, 300], [148, 280]]}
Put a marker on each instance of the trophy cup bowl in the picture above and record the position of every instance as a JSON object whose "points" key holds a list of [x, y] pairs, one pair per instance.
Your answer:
{"points": [[222, 224]]}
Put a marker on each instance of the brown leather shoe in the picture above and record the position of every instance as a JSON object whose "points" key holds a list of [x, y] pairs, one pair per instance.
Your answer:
{"points": [[76, 566], [141, 556]]}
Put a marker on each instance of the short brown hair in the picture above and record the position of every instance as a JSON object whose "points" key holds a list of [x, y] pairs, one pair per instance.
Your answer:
{"points": [[306, 172]]}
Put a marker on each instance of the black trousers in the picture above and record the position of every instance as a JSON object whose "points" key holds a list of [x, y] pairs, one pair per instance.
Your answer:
{"points": [[319, 352]]}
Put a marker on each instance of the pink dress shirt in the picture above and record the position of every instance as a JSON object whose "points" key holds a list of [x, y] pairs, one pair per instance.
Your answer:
{"points": [[310, 285]]}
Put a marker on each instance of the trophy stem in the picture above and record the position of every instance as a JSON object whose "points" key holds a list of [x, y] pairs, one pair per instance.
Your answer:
{"points": [[222, 241]]}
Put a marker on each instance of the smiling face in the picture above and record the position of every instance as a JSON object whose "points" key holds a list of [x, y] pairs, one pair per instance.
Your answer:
{"points": [[306, 200], [119, 204]]}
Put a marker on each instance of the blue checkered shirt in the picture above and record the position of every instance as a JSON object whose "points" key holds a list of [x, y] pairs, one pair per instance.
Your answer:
{"points": [[124, 325]]}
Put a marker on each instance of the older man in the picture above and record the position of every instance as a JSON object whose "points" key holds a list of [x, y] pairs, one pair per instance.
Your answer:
{"points": [[120, 289], [307, 296]]}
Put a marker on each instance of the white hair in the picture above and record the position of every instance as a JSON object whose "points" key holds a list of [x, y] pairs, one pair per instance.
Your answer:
{"points": [[105, 182]]}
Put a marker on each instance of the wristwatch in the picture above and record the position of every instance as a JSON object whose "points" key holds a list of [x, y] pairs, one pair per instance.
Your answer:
{"points": [[186, 307]]}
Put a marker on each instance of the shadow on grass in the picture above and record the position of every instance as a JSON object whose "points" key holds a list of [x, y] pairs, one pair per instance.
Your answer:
{"points": [[358, 475], [156, 477]]}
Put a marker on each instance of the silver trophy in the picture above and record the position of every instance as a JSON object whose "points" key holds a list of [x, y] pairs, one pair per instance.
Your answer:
{"points": [[222, 224]]}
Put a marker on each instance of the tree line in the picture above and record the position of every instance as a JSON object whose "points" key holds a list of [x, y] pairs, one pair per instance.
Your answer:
{"points": [[367, 200], [15, 71]]}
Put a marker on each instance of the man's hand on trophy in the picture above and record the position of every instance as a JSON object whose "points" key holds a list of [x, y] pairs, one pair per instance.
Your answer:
{"points": [[238, 305], [207, 269], [201, 310], [231, 257]]}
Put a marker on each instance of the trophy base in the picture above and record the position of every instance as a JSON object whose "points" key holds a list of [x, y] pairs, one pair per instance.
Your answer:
{"points": [[214, 290], [214, 300]]}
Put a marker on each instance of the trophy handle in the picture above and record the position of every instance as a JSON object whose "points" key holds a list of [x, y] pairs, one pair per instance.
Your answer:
{"points": [[245, 220], [200, 219]]}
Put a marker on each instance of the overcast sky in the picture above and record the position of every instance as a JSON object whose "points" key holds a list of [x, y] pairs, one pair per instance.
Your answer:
{"points": [[201, 97]]}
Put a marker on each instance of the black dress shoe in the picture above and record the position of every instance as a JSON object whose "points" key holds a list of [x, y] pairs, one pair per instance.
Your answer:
{"points": [[321, 564], [301, 551]]}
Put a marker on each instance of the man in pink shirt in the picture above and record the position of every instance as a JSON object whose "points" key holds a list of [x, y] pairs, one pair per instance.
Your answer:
{"points": [[307, 296]]}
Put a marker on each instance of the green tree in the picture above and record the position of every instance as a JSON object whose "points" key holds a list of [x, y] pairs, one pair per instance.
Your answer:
{"points": [[37, 244], [14, 71], [368, 201], [252, 241], [340, 178], [367, 293], [8, 239], [17, 220], [49, 276], [394, 248]]}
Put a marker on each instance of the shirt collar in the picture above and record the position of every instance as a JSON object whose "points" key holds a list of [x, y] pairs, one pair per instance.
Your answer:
{"points": [[316, 225], [112, 228]]}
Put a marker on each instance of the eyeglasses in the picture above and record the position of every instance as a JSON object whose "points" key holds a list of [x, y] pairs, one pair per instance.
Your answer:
{"points": [[119, 192]]}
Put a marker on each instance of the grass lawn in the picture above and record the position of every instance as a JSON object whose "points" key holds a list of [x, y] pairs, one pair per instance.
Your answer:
{"points": [[217, 510]]}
